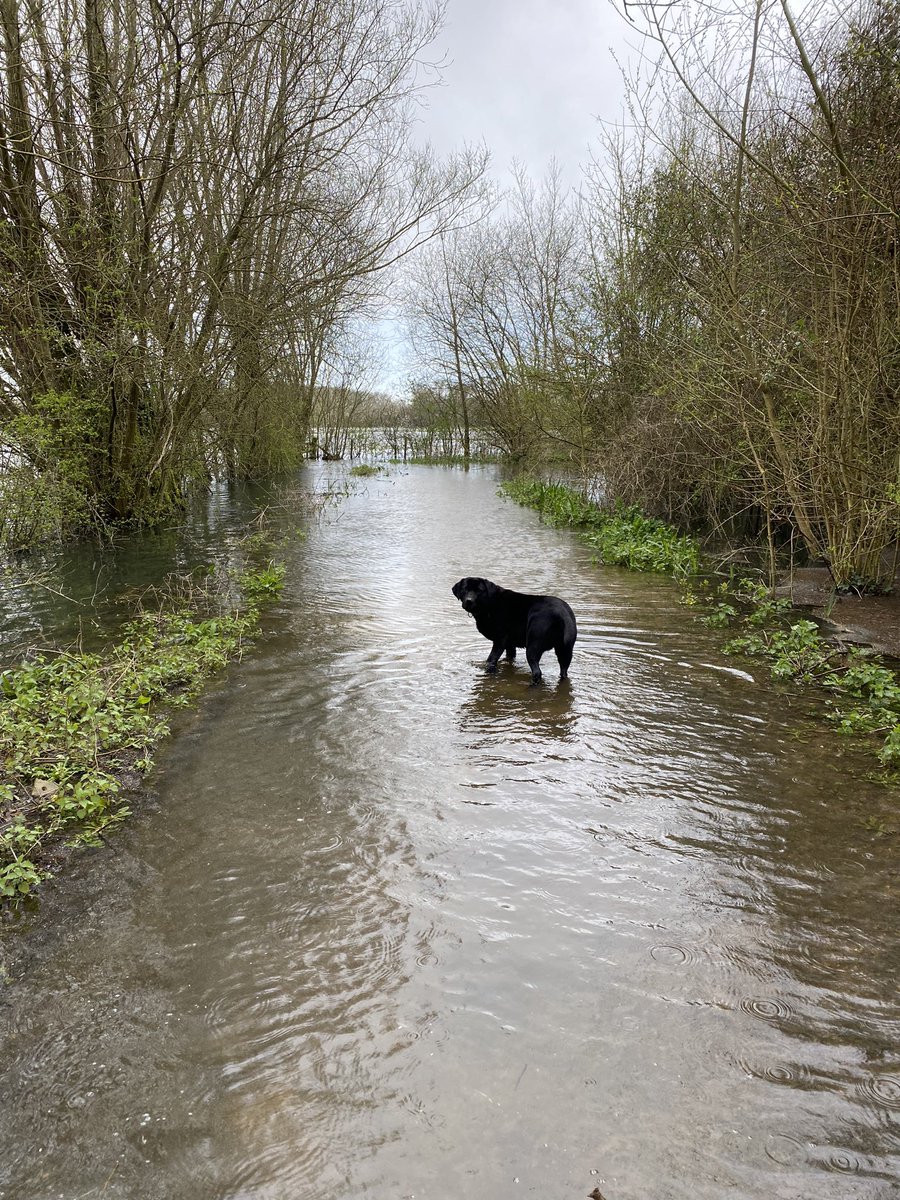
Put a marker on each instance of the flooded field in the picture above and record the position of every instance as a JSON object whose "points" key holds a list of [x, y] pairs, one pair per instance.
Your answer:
{"points": [[389, 927]]}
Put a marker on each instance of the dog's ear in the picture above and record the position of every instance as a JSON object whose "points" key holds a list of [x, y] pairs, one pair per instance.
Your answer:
{"points": [[457, 588], [488, 588]]}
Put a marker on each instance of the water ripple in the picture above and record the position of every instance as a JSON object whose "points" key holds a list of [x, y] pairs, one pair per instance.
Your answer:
{"points": [[673, 955], [388, 910], [785, 1150], [789, 1073], [843, 1161], [767, 1008], [880, 1090]]}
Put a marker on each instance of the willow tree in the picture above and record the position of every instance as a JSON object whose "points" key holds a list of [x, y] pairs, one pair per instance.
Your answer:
{"points": [[191, 194]]}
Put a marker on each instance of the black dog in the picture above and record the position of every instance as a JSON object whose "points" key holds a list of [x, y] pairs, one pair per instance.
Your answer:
{"points": [[509, 619]]}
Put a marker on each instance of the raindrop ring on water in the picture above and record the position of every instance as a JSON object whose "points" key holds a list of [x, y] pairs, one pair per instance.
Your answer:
{"points": [[785, 1150], [672, 954], [779, 1073], [774, 1072], [843, 1161], [767, 1008], [882, 1090]]}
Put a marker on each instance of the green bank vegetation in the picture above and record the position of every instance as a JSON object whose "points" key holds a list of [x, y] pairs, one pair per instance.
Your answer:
{"points": [[622, 537], [77, 729], [866, 693], [863, 693]]}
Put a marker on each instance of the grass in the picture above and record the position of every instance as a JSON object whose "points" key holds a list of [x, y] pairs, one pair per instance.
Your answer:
{"points": [[621, 536], [74, 727]]}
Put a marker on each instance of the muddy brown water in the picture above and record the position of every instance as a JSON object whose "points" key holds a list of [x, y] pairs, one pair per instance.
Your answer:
{"points": [[390, 927]]}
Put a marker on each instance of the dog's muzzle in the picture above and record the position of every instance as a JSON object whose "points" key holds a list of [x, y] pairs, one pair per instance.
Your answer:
{"points": [[468, 602]]}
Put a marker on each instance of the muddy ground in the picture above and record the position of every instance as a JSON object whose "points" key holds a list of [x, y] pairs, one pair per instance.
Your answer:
{"points": [[869, 620]]}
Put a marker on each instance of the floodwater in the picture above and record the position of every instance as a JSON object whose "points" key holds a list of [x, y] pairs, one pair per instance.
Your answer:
{"points": [[389, 927]]}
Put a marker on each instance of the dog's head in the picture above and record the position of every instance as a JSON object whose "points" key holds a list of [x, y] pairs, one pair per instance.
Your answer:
{"points": [[474, 593]]}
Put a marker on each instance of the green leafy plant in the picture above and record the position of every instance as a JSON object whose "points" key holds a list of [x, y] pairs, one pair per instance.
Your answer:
{"points": [[720, 615], [262, 584], [620, 537], [18, 877], [736, 598], [889, 754], [72, 723], [764, 608], [799, 652], [867, 692], [719, 604]]}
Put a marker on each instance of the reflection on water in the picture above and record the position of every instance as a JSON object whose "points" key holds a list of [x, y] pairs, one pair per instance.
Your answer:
{"points": [[497, 711], [390, 927]]}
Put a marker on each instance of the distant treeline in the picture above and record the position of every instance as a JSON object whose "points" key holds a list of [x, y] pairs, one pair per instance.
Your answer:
{"points": [[351, 423], [712, 326]]}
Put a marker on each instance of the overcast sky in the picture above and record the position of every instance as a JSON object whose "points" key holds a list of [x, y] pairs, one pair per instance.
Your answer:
{"points": [[529, 78]]}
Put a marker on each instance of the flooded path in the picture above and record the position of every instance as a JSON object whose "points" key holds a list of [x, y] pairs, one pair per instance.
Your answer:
{"points": [[394, 928]]}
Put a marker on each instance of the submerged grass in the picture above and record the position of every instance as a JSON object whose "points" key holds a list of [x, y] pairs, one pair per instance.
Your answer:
{"points": [[621, 536], [76, 727]]}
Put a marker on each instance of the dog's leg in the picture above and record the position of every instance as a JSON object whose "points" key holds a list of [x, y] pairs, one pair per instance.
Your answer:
{"points": [[564, 654], [494, 657], [511, 652], [534, 661]]}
